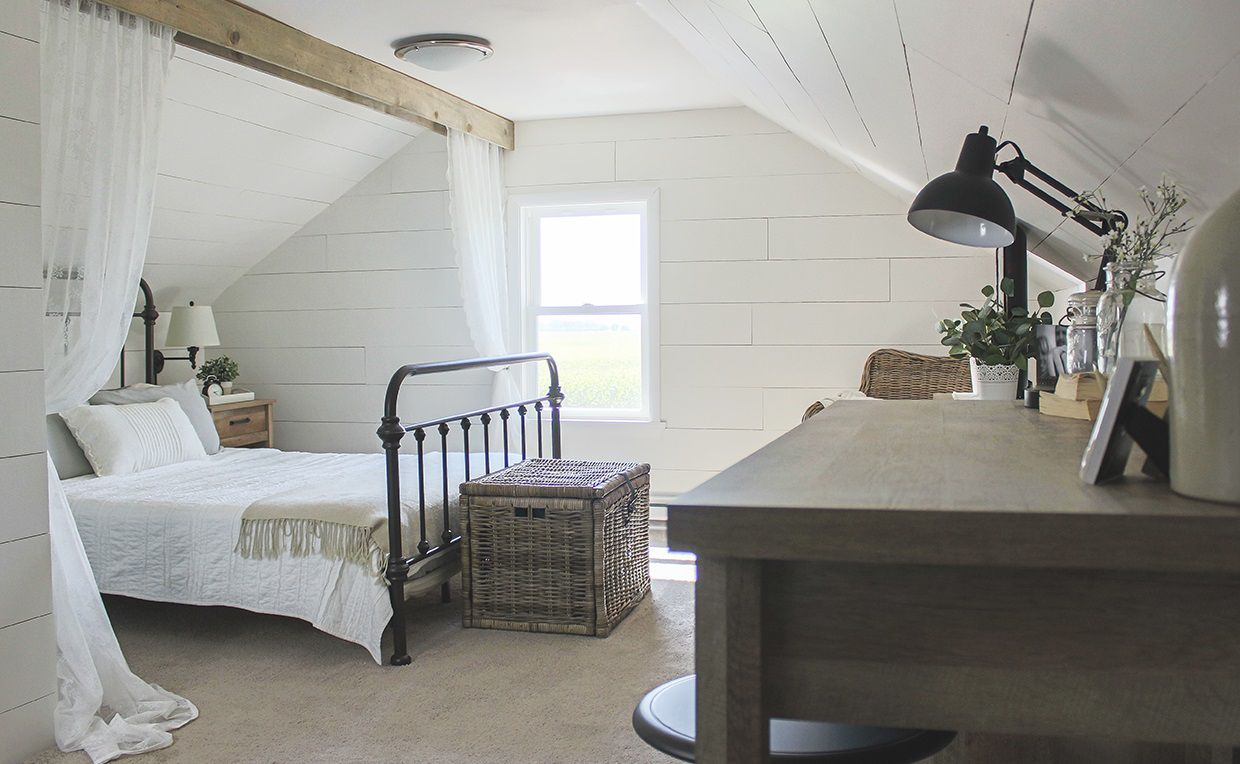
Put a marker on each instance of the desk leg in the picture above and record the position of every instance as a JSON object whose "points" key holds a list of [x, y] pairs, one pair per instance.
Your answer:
{"points": [[732, 725]]}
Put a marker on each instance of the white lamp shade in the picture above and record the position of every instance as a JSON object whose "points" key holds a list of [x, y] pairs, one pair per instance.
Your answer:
{"points": [[192, 326]]}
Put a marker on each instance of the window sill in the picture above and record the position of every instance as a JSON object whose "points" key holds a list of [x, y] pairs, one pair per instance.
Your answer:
{"points": [[649, 424]]}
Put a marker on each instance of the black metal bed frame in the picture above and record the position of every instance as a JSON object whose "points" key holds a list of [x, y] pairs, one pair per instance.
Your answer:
{"points": [[391, 431], [149, 316]]}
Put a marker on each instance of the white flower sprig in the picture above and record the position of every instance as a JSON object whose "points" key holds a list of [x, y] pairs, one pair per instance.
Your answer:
{"points": [[1151, 238]]}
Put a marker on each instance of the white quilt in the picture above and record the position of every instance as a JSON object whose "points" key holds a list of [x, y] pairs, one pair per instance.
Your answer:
{"points": [[168, 534]]}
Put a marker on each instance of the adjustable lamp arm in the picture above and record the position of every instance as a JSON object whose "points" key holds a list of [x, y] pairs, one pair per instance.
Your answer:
{"points": [[1096, 219]]}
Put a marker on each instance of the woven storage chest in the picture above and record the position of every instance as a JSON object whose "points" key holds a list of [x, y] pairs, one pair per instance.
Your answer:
{"points": [[556, 545]]}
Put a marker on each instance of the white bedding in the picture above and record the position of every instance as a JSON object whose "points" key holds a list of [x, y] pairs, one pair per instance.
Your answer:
{"points": [[168, 534]]}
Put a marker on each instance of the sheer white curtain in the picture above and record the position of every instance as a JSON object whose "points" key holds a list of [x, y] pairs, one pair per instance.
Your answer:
{"points": [[103, 75], [476, 197]]}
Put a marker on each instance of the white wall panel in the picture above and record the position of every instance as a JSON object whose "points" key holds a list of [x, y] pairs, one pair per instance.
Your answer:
{"points": [[19, 155], [25, 492], [670, 124], [28, 653], [20, 313], [774, 196], [706, 325], [722, 156], [565, 163], [942, 279], [855, 236], [25, 587], [21, 259], [775, 281], [22, 394], [851, 323], [20, 97], [702, 240]]}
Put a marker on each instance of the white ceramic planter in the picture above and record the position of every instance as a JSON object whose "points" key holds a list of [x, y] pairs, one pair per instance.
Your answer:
{"points": [[226, 387], [1203, 328], [994, 383]]}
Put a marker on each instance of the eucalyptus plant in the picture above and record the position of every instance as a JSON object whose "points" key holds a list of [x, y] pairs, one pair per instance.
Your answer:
{"points": [[223, 368], [994, 334]]}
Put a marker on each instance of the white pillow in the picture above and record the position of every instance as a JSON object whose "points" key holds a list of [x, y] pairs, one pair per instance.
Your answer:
{"points": [[132, 437]]}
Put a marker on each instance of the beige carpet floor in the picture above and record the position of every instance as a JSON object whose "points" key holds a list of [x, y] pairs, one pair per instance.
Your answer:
{"points": [[273, 689]]}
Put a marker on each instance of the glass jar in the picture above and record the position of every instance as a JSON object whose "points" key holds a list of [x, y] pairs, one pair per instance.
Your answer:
{"points": [[1147, 307], [1131, 302], [1082, 341]]}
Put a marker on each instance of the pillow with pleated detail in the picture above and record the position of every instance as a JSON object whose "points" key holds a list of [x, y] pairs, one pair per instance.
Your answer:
{"points": [[131, 437], [185, 393]]}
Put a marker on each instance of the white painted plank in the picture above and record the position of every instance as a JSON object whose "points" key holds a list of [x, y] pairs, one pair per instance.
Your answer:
{"points": [[21, 261], [341, 290], [671, 124], [689, 240], [27, 729], [28, 654], [173, 193], [19, 155], [732, 408], [944, 279], [213, 90], [856, 323], [808, 366], [360, 327], [297, 254], [171, 251], [782, 408], [722, 156], [382, 363], [705, 325], [26, 586], [293, 366], [855, 236], [328, 437], [393, 212], [775, 281], [390, 250], [19, 60], [253, 173], [558, 164], [200, 283], [780, 196], [419, 171], [21, 329], [21, 19], [24, 509], [23, 431]]}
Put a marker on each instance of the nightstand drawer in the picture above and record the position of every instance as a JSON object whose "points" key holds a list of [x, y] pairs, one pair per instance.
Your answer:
{"points": [[243, 424]]}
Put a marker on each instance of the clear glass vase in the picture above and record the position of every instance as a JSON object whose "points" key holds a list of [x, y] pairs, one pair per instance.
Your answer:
{"points": [[1130, 303]]}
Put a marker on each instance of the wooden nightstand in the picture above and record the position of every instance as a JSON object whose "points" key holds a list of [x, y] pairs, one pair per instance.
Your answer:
{"points": [[248, 423]]}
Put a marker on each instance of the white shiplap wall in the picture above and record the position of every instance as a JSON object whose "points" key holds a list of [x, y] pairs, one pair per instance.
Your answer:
{"points": [[781, 270], [27, 643], [368, 285]]}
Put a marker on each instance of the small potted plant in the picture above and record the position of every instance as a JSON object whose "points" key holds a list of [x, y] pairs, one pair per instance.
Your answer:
{"points": [[223, 368], [998, 341]]}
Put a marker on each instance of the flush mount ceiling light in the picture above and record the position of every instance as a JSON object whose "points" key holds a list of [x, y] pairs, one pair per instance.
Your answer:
{"points": [[443, 52]]}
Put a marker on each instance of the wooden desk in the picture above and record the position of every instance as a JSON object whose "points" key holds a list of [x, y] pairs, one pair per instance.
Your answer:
{"points": [[938, 564]]}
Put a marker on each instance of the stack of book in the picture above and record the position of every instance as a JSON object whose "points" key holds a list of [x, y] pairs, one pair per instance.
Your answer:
{"points": [[1079, 396]]}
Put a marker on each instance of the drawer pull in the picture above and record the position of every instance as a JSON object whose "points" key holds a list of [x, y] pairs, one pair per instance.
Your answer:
{"points": [[235, 422]]}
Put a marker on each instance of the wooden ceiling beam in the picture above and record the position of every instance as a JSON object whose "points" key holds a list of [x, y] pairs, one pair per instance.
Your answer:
{"points": [[235, 32]]}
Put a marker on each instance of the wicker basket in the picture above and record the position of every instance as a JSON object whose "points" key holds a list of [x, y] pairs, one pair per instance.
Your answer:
{"points": [[555, 545]]}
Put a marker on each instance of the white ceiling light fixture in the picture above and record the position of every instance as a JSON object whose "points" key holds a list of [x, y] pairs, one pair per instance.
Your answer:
{"points": [[443, 52]]}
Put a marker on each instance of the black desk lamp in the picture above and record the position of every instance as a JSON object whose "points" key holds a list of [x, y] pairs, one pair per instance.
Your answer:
{"points": [[966, 206]]}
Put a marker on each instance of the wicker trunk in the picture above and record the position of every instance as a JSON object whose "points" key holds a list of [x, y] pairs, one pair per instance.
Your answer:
{"points": [[555, 545]]}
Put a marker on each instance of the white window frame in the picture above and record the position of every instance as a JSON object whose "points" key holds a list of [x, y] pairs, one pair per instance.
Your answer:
{"points": [[524, 211]]}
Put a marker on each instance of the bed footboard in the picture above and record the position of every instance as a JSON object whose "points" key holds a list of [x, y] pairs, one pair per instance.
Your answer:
{"points": [[391, 431]]}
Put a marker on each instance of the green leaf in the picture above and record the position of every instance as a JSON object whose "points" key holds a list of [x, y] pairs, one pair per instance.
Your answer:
{"points": [[988, 290], [1007, 286], [1046, 299], [1021, 362]]}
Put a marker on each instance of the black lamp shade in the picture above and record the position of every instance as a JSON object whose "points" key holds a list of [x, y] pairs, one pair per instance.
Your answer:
{"points": [[966, 206]]}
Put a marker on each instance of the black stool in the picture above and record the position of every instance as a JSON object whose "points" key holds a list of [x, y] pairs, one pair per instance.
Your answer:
{"points": [[665, 718]]}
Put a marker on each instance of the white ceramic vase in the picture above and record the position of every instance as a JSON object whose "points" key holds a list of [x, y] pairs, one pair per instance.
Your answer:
{"points": [[994, 383], [1203, 332], [226, 387]]}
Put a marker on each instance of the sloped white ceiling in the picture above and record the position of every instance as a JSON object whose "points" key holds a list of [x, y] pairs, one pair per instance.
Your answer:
{"points": [[1103, 94], [245, 160]]}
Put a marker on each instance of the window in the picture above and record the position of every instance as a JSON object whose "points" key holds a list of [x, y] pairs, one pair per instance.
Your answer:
{"points": [[586, 284]]}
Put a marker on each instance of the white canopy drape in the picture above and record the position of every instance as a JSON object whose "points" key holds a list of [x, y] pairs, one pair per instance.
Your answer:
{"points": [[476, 197], [103, 76]]}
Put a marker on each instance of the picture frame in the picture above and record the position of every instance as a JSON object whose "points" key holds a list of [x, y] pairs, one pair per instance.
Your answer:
{"points": [[1123, 404]]}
